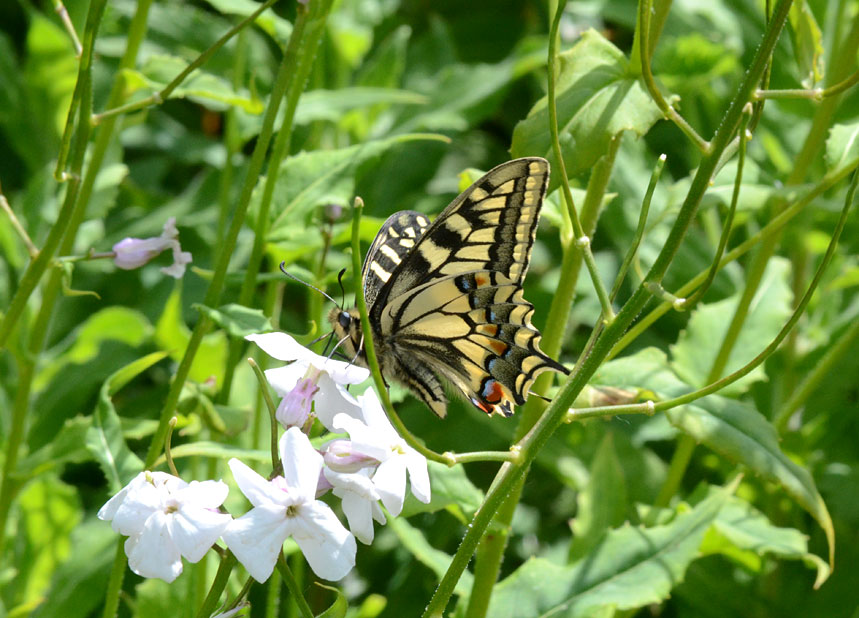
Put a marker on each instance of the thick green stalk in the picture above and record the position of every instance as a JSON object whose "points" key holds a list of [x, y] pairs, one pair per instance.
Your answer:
{"points": [[531, 444], [216, 285], [294, 589], [210, 603], [114, 586], [301, 53]]}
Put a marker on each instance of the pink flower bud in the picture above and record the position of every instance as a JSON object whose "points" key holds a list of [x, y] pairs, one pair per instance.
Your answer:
{"points": [[340, 457]]}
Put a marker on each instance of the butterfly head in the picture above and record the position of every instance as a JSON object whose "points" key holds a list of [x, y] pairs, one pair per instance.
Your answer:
{"points": [[347, 330]]}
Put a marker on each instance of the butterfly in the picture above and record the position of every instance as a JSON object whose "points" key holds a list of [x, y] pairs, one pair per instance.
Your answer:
{"points": [[445, 298]]}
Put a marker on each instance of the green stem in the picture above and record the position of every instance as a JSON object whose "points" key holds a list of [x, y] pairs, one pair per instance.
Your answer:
{"points": [[582, 241], [82, 102], [9, 486], [293, 587], [370, 347], [511, 474], [822, 369], [210, 604], [216, 285], [164, 94], [300, 53], [773, 227], [645, 8], [114, 583], [272, 410]]}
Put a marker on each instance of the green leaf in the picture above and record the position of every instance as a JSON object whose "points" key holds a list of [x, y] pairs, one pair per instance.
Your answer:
{"points": [[269, 22], [237, 320], [696, 348], [50, 510], [732, 428], [339, 607], [204, 88], [216, 450], [68, 446], [602, 503], [172, 335], [332, 104], [104, 439], [436, 560], [596, 98], [451, 490], [807, 43], [311, 179], [742, 527], [842, 146], [78, 585], [630, 568]]}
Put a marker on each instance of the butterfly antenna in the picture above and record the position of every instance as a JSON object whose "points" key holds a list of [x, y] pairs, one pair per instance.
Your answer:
{"points": [[342, 289], [312, 287], [539, 396], [339, 343], [360, 346]]}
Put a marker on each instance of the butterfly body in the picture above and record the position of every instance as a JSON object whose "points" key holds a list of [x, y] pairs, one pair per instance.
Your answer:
{"points": [[445, 298]]}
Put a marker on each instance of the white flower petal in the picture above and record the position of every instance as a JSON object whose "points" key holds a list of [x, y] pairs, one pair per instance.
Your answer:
{"points": [[364, 440], [301, 464], [376, 419], [194, 530], [140, 502], [205, 494], [330, 552], [359, 513], [256, 538], [283, 347], [332, 399], [390, 481], [152, 552], [344, 373], [418, 475], [284, 379], [255, 488]]}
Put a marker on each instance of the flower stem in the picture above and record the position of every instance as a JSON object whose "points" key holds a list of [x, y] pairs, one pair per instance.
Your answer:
{"points": [[293, 587], [272, 409], [114, 583], [210, 603]]}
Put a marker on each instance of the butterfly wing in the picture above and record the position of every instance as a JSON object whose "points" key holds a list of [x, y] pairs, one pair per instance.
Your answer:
{"points": [[454, 302], [395, 240]]}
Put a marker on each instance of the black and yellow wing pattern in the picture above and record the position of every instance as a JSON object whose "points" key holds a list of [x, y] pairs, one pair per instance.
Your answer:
{"points": [[445, 297]]}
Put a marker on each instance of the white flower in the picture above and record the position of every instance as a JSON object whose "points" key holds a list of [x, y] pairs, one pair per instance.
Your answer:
{"points": [[377, 438], [166, 518], [339, 456], [287, 506], [133, 253], [309, 370], [360, 501]]}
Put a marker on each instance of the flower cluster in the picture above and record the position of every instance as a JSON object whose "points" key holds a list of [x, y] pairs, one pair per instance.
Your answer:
{"points": [[166, 518]]}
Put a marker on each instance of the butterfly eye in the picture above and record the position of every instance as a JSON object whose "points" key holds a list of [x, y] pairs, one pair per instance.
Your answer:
{"points": [[344, 319]]}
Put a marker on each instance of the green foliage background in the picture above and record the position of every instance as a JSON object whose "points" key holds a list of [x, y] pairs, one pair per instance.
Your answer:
{"points": [[591, 535]]}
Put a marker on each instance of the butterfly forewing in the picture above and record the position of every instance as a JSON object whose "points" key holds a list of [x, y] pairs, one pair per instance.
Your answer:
{"points": [[490, 226], [395, 240]]}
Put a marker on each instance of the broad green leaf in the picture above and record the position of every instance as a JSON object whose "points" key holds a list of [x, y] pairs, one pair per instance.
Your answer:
{"points": [[204, 88], [272, 24], [332, 104], [732, 428], [50, 510], [311, 179], [237, 320], [451, 490], [104, 439], [437, 561], [172, 335], [742, 528], [602, 503], [68, 446], [631, 567], [807, 43], [340, 605], [596, 99], [78, 585], [696, 348], [842, 146]]}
